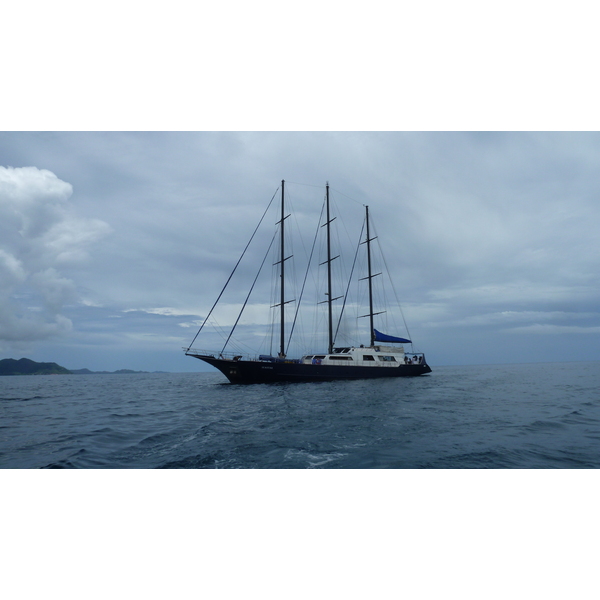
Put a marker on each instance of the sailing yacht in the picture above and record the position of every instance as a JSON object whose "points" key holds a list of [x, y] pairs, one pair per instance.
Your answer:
{"points": [[384, 356]]}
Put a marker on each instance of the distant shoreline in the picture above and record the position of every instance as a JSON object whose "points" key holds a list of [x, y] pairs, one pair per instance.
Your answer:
{"points": [[25, 366]]}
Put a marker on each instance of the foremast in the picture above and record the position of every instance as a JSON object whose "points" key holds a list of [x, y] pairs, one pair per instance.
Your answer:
{"points": [[282, 274], [282, 242]]}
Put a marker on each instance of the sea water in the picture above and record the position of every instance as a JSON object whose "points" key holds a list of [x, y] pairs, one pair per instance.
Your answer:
{"points": [[518, 416]]}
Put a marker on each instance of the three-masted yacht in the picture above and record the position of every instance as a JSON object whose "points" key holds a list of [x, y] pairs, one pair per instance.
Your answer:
{"points": [[384, 356]]}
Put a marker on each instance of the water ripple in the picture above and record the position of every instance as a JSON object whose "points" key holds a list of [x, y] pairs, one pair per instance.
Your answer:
{"points": [[494, 417]]}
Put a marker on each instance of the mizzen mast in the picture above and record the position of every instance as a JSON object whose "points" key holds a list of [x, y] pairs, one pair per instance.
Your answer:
{"points": [[370, 278]]}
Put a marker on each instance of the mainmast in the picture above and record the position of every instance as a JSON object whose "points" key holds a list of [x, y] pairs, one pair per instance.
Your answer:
{"points": [[329, 292]]}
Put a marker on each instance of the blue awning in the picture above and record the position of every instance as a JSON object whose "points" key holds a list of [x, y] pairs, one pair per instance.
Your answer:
{"points": [[382, 337]]}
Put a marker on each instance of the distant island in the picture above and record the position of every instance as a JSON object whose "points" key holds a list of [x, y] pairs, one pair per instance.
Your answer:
{"points": [[119, 372], [25, 366]]}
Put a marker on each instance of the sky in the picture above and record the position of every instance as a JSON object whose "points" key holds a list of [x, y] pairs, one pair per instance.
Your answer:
{"points": [[115, 245], [132, 173]]}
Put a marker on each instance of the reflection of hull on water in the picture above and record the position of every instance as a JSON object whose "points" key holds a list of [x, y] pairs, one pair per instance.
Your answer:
{"points": [[257, 371]]}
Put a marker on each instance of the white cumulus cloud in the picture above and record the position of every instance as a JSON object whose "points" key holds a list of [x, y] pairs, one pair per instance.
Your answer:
{"points": [[39, 234]]}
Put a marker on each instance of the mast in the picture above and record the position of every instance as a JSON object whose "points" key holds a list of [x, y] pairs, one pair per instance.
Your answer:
{"points": [[329, 295], [282, 261], [370, 278], [282, 317]]}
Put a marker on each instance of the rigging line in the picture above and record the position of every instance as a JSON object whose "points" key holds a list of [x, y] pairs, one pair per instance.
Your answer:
{"points": [[349, 281], [305, 184], [250, 292], [330, 189], [305, 277], [220, 330], [234, 269], [295, 218], [391, 282], [339, 212], [342, 267], [349, 197], [223, 334]]}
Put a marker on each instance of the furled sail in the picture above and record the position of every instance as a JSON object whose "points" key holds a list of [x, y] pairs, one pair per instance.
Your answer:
{"points": [[382, 337]]}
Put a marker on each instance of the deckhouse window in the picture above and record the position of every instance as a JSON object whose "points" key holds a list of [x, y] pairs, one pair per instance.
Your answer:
{"points": [[334, 357], [367, 357], [387, 358]]}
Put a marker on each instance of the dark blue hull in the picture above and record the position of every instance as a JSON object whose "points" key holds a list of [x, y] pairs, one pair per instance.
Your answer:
{"points": [[255, 371]]}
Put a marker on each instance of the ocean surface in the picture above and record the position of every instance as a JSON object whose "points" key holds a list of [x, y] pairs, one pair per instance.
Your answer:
{"points": [[519, 416]]}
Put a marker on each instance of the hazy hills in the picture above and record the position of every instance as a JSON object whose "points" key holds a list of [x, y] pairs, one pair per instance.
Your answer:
{"points": [[25, 366]]}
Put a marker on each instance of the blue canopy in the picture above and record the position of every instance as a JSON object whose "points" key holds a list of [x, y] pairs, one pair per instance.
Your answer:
{"points": [[382, 337]]}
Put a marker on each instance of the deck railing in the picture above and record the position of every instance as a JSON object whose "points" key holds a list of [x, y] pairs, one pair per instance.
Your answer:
{"points": [[219, 354]]}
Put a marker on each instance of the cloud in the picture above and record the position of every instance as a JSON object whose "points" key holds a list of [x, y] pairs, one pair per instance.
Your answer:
{"points": [[165, 311], [38, 235], [506, 318], [188, 324], [547, 329], [31, 327]]}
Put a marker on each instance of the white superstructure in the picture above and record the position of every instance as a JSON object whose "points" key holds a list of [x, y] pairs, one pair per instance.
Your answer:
{"points": [[373, 356]]}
